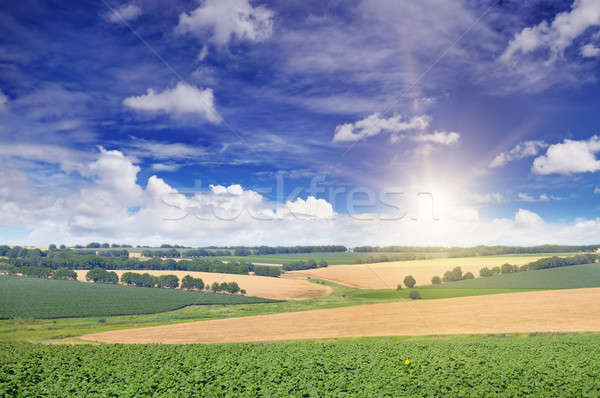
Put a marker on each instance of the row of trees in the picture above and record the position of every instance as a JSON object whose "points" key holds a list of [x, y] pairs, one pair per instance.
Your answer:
{"points": [[454, 275], [267, 270], [163, 281], [391, 257], [38, 272], [92, 261], [147, 280], [480, 250], [305, 264]]}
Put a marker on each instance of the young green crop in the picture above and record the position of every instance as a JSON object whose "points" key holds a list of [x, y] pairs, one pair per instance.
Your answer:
{"points": [[464, 366], [42, 298]]}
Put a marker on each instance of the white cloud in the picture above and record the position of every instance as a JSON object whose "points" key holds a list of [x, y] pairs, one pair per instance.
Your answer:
{"points": [[569, 157], [494, 197], [184, 99], [523, 197], [557, 35], [203, 53], [99, 209], [126, 12], [143, 148], [526, 218], [374, 124], [596, 190], [224, 20], [590, 51], [165, 166], [520, 151], [438, 137], [310, 208]]}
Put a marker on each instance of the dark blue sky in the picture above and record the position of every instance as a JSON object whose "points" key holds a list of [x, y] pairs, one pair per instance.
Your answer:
{"points": [[492, 106]]}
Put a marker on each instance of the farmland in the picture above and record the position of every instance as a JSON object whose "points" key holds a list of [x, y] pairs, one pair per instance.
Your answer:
{"points": [[40, 298], [259, 286], [388, 275], [501, 313], [587, 275], [562, 365]]}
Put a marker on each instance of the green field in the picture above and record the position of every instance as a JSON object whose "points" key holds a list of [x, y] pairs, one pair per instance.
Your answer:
{"points": [[43, 298], [575, 276], [549, 366]]}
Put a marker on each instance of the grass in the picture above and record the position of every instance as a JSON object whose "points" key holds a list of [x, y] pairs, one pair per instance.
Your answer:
{"points": [[498, 366], [575, 276], [44, 298], [29, 330]]}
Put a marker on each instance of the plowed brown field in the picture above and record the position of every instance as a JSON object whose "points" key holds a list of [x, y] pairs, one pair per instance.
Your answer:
{"points": [[546, 311], [259, 286]]}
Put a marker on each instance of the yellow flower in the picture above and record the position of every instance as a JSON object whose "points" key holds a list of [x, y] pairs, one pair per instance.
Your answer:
{"points": [[407, 362]]}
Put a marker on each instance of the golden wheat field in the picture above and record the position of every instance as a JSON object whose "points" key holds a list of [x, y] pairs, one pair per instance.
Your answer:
{"points": [[501, 313], [389, 275]]}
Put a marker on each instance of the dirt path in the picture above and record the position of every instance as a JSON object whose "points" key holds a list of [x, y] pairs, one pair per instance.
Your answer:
{"points": [[259, 286], [546, 311]]}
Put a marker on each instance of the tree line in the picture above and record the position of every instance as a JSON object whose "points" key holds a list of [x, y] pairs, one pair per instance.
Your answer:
{"points": [[482, 250], [304, 264], [100, 275], [391, 257]]}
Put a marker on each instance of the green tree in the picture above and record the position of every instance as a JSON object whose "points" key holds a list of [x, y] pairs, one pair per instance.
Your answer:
{"points": [[414, 295], [64, 274], [436, 280], [188, 282], [410, 281]]}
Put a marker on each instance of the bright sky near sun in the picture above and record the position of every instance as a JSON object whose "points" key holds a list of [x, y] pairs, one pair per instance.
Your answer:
{"points": [[238, 122]]}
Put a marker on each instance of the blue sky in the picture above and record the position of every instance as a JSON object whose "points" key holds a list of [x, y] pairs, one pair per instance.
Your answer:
{"points": [[111, 106]]}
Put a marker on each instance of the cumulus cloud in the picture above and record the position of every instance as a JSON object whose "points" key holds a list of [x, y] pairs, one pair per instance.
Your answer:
{"points": [[126, 12], [183, 99], [99, 209], [557, 35], [224, 20], [374, 125], [596, 190], [590, 51], [569, 157], [520, 151]]}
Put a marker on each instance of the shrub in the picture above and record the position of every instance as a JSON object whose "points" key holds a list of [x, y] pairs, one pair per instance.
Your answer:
{"points": [[485, 272], [414, 295], [399, 287], [436, 280], [409, 281], [468, 275], [506, 268]]}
